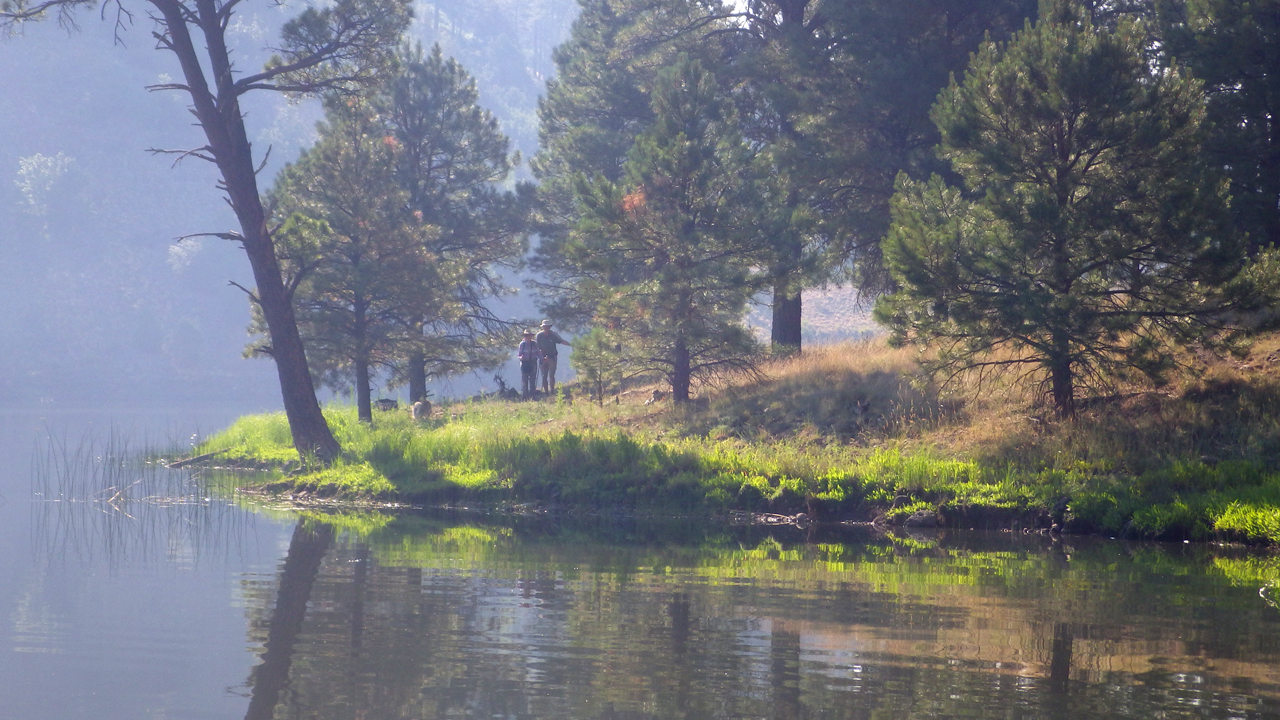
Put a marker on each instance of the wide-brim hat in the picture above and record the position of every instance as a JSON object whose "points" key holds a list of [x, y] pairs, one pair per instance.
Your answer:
{"points": [[529, 332], [546, 323]]}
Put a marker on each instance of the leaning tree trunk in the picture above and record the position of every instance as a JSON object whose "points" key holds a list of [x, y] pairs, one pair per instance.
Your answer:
{"points": [[270, 678], [222, 121]]}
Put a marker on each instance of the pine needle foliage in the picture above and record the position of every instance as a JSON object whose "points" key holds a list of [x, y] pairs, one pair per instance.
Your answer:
{"points": [[1090, 236]]}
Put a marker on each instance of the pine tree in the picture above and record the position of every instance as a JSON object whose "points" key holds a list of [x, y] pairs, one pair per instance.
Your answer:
{"points": [[1089, 234], [667, 253], [593, 110], [355, 252], [452, 157], [1235, 48], [869, 115]]}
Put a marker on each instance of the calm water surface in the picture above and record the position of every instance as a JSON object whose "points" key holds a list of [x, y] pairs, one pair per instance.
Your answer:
{"points": [[157, 603]]}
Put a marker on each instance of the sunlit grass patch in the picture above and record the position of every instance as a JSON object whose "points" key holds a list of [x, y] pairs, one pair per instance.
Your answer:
{"points": [[346, 479], [264, 438]]}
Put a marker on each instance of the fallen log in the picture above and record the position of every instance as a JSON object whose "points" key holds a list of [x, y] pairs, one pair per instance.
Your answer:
{"points": [[198, 458]]}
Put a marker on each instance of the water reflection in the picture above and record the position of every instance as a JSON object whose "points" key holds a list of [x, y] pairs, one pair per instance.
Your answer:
{"points": [[307, 549], [435, 616], [429, 618]]}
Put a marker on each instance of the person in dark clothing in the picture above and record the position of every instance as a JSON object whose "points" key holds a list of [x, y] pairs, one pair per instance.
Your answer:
{"points": [[529, 354], [547, 340]]}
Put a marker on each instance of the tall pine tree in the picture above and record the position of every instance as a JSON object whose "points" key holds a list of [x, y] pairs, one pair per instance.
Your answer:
{"points": [[1089, 235], [593, 111], [666, 255], [452, 158], [355, 253]]}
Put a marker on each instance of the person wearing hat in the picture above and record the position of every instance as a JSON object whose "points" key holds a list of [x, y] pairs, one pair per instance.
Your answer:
{"points": [[547, 340], [529, 354]]}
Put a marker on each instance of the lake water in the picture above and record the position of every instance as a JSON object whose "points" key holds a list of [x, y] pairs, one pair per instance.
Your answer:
{"points": [[153, 602]]}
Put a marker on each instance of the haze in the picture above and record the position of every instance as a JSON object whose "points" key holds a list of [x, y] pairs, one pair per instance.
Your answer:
{"points": [[104, 306]]}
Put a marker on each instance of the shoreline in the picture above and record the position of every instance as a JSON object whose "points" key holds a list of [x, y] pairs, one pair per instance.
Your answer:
{"points": [[279, 491], [844, 433]]}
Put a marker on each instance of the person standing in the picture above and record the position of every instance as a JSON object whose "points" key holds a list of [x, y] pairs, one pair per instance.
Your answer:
{"points": [[529, 354], [547, 340]]}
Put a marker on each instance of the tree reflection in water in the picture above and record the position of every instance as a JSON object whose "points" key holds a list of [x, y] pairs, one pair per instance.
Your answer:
{"points": [[307, 548], [421, 619]]}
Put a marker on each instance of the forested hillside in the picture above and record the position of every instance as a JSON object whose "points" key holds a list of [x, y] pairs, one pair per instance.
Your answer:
{"points": [[101, 304]]}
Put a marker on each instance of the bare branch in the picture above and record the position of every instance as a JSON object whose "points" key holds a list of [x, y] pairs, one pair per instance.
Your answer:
{"points": [[167, 86], [200, 152], [247, 291], [231, 235], [265, 157], [13, 16]]}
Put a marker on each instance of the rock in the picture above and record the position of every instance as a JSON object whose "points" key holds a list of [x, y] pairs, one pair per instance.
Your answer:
{"points": [[922, 519]]}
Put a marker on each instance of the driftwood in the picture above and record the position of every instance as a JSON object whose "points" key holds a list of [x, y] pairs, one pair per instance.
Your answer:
{"points": [[192, 460]]}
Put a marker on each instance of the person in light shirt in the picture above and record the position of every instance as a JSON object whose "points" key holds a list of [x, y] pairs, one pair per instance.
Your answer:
{"points": [[528, 354]]}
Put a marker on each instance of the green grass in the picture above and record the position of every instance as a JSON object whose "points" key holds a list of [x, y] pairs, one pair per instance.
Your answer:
{"points": [[839, 434], [493, 458]]}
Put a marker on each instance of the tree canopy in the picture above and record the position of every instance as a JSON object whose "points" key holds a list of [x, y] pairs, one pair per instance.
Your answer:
{"points": [[452, 159], [668, 253], [353, 250], [1089, 233], [393, 231]]}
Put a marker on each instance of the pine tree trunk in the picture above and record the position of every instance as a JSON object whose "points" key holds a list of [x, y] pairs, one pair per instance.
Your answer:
{"points": [[416, 369], [785, 330], [364, 403], [417, 372], [229, 146], [680, 373], [1060, 377]]}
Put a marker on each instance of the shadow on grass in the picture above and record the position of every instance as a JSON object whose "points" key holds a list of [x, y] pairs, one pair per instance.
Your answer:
{"points": [[826, 401], [1214, 421]]}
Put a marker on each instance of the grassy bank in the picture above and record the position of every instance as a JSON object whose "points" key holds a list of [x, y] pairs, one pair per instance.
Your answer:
{"points": [[843, 433]]}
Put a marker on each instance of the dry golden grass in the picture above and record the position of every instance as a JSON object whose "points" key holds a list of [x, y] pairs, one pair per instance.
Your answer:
{"points": [[867, 394]]}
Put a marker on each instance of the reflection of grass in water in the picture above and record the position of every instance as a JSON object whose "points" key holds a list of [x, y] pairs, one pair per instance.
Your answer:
{"points": [[1252, 571], [1271, 594], [101, 496]]}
